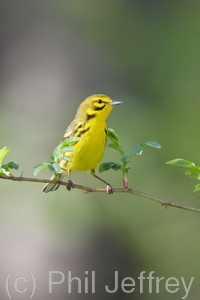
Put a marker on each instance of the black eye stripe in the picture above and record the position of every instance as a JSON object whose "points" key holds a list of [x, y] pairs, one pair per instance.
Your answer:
{"points": [[99, 108]]}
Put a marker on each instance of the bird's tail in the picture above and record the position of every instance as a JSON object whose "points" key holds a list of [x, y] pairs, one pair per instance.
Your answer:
{"points": [[50, 187]]}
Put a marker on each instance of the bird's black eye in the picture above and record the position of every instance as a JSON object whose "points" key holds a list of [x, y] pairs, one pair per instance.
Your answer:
{"points": [[99, 101]]}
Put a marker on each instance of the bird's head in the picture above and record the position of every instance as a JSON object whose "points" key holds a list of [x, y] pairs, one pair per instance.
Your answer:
{"points": [[97, 105]]}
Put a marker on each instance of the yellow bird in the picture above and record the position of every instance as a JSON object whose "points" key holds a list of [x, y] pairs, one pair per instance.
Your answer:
{"points": [[90, 125]]}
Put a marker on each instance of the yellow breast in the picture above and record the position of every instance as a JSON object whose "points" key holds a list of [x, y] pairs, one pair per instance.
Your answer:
{"points": [[89, 150]]}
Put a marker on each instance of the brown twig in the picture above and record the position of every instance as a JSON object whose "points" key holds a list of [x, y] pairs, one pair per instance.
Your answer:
{"points": [[100, 190]]}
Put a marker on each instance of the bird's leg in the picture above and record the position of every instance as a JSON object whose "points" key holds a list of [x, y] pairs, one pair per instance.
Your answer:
{"points": [[108, 186], [69, 183]]}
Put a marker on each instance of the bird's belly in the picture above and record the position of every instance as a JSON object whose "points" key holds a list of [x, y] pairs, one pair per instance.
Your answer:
{"points": [[89, 151]]}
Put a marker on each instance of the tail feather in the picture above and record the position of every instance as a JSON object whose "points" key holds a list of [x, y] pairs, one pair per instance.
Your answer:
{"points": [[50, 187]]}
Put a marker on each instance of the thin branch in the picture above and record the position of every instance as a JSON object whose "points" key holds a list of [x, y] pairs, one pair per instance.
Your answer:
{"points": [[115, 190]]}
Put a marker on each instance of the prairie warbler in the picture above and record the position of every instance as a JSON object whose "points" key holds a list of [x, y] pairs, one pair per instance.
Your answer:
{"points": [[90, 125]]}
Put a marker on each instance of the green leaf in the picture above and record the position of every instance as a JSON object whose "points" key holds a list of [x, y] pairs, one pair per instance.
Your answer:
{"points": [[116, 167], [65, 146], [109, 165], [4, 172], [179, 162], [55, 168], [71, 140], [126, 158], [193, 173], [64, 157], [13, 165], [137, 150], [56, 152], [10, 165], [106, 166], [58, 155], [53, 158], [113, 136], [67, 149], [39, 167], [197, 188], [3, 153], [153, 144], [117, 147]]}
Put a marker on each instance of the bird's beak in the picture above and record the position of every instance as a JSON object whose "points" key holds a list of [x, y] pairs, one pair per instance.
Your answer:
{"points": [[115, 103]]}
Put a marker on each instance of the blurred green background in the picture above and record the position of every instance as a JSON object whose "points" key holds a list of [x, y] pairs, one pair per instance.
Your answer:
{"points": [[53, 54]]}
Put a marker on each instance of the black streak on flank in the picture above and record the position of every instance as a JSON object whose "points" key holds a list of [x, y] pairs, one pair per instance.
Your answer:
{"points": [[83, 131], [106, 132], [77, 129], [89, 117], [99, 108]]}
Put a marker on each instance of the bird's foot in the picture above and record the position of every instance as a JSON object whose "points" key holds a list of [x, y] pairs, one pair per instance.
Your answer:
{"points": [[70, 185], [109, 189]]}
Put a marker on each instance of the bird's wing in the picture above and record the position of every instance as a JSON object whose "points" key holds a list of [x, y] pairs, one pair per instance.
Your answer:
{"points": [[74, 129]]}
